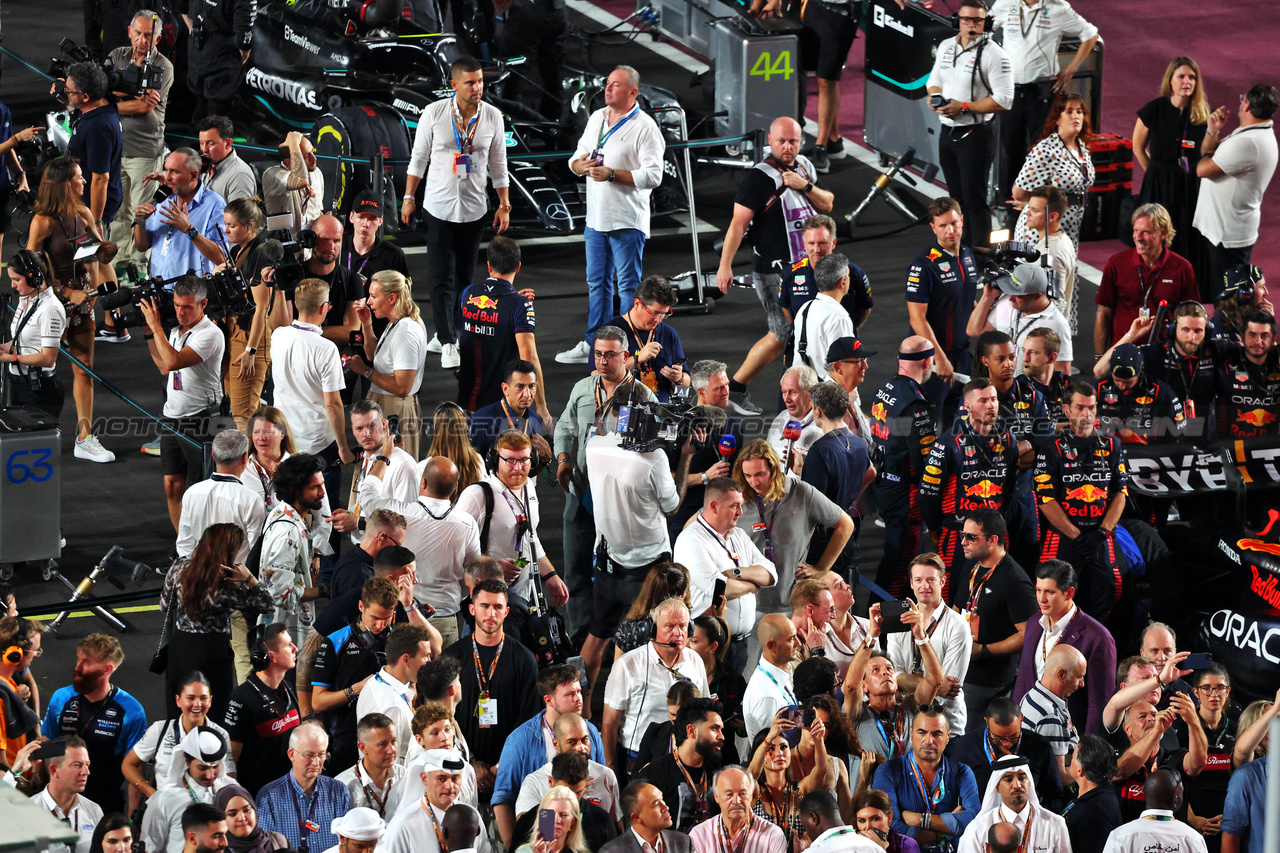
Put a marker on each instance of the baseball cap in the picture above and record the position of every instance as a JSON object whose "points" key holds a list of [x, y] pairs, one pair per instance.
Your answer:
{"points": [[1026, 280], [368, 201], [845, 348], [1126, 361]]}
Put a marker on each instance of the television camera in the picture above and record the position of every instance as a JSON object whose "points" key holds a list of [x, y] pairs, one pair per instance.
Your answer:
{"points": [[1006, 254], [131, 80], [227, 292], [650, 426]]}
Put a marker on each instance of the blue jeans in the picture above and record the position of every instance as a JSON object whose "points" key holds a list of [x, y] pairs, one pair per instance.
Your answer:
{"points": [[612, 253]]}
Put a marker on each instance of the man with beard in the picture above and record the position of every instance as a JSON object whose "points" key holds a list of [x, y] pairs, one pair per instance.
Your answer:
{"points": [[345, 288], [295, 185], [571, 734], [499, 682], [104, 716], [417, 830], [1001, 736], [289, 560], [684, 776], [1249, 382], [514, 411], [736, 827], [933, 798], [204, 829], [941, 290], [1011, 798], [975, 467], [201, 755], [775, 199], [1133, 404], [1145, 727]]}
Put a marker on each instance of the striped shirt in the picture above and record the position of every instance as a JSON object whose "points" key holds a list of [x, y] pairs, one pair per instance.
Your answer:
{"points": [[1047, 715]]}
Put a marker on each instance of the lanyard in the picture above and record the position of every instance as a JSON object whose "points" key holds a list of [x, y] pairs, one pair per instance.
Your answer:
{"points": [[991, 753], [931, 797], [786, 691], [975, 592], [780, 812], [1142, 281], [768, 528], [722, 543], [370, 792], [434, 517], [302, 328], [362, 263], [524, 524], [604, 122], [304, 823], [463, 149], [403, 696], [268, 699], [480, 676], [386, 333], [84, 727], [1026, 830], [1045, 648], [511, 422], [894, 743], [699, 790], [265, 479], [726, 842], [426, 806], [191, 791], [1157, 817]]}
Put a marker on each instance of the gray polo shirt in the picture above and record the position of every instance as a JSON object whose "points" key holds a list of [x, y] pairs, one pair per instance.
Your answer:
{"points": [[233, 178], [144, 133]]}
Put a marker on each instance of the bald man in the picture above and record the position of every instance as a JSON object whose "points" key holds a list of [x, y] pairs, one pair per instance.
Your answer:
{"points": [[1044, 707], [903, 429], [296, 186], [770, 687], [774, 200], [1144, 727], [1003, 838], [1154, 828]]}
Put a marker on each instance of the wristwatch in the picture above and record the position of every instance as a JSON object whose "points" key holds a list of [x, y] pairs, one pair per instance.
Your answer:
{"points": [[368, 374], [613, 175], [808, 188], [920, 642], [869, 643], [192, 232], [705, 479], [251, 350]]}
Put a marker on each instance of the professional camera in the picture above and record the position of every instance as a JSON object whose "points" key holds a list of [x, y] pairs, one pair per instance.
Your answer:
{"points": [[227, 292], [284, 252], [650, 426], [1006, 254], [132, 80]]}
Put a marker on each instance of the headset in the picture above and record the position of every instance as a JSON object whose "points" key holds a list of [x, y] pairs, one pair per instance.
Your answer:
{"points": [[444, 406], [20, 644], [259, 657], [491, 458], [27, 263]]}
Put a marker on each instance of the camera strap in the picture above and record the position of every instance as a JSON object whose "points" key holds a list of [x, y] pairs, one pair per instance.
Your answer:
{"points": [[22, 324]]}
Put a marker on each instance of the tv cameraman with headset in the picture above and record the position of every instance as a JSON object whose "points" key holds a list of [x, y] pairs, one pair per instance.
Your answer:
{"points": [[971, 81], [189, 356], [36, 331]]}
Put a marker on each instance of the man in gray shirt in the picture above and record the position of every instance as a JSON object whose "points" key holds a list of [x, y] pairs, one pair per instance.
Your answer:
{"points": [[231, 178], [142, 121]]}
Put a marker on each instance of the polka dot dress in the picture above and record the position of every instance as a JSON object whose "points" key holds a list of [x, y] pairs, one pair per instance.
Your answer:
{"points": [[1051, 162]]}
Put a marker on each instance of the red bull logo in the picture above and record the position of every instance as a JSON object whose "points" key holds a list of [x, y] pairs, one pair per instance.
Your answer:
{"points": [[982, 489], [483, 302], [1087, 493], [879, 412], [1256, 417]]}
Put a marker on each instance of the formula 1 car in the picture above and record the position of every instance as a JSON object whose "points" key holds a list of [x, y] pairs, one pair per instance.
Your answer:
{"points": [[357, 76]]}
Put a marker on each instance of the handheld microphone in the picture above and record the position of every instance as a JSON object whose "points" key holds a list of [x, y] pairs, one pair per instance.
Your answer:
{"points": [[271, 252], [727, 446], [792, 430]]}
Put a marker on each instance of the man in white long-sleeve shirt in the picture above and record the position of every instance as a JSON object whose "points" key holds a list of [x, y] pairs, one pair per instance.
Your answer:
{"points": [[222, 498], [620, 154]]}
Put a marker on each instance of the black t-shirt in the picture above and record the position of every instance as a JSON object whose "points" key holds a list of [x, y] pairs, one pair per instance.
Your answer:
{"points": [[1132, 791], [1091, 819], [98, 142], [701, 461], [971, 749], [261, 719], [382, 256], [346, 609], [345, 657], [1167, 130], [1006, 599], [768, 232], [343, 288], [597, 827], [513, 686], [688, 807], [1207, 792], [490, 315]]}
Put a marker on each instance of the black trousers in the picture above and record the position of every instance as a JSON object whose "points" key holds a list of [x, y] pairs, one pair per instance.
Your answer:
{"points": [[1020, 128], [966, 154], [900, 508], [1221, 259], [451, 259], [48, 399]]}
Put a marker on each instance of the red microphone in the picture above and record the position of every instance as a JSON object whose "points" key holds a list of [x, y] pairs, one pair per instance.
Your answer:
{"points": [[727, 446]]}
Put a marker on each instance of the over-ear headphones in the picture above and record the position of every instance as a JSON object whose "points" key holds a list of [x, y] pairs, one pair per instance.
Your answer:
{"points": [[443, 407], [259, 657], [20, 644], [491, 459], [28, 266]]}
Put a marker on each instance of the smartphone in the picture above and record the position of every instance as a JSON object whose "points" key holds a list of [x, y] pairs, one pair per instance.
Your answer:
{"points": [[796, 715], [891, 616], [717, 597], [547, 824], [937, 100], [393, 427], [1197, 661]]}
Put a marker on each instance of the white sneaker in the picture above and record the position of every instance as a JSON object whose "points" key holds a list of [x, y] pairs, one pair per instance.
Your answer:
{"points": [[90, 448], [434, 344], [579, 353], [449, 357]]}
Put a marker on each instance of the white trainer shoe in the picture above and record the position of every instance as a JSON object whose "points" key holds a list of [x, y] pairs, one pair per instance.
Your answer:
{"points": [[90, 448], [579, 353], [449, 356]]}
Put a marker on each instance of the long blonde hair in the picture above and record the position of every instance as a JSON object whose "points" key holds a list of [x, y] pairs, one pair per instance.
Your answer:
{"points": [[450, 437], [1199, 101], [575, 841], [762, 450], [401, 287]]}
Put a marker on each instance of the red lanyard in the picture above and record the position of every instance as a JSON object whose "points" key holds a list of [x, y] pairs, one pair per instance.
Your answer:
{"points": [[726, 842], [480, 675]]}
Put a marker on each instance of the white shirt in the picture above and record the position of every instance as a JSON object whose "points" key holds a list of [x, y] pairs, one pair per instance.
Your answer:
{"points": [[1048, 830], [954, 73], [952, 642], [809, 433], [1005, 318], [257, 480], [400, 480], [160, 740], [364, 794], [631, 493], [768, 690], [44, 329], [1050, 638], [305, 205], [824, 319], [221, 499], [84, 817], [411, 831], [386, 694], [1032, 34], [636, 147], [445, 540], [710, 556], [843, 839], [502, 526], [1062, 254], [1167, 836], [403, 346], [195, 389], [1229, 209], [304, 365], [638, 685], [448, 196], [162, 823], [840, 654], [603, 790]]}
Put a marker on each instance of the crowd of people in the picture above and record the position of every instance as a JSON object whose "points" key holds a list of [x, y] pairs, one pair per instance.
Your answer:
{"points": [[1005, 689]]}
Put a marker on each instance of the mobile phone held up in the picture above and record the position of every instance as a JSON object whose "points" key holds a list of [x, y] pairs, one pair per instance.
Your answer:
{"points": [[891, 616]]}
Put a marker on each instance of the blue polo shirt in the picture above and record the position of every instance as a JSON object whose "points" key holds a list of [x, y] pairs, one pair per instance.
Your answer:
{"points": [[173, 253], [489, 422], [110, 729], [1245, 813], [524, 752], [672, 352]]}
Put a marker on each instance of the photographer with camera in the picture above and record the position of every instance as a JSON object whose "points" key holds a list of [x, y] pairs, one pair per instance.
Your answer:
{"points": [[221, 36], [142, 120], [296, 186], [35, 331], [98, 140], [1027, 307], [9, 141], [346, 288], [184, 231], [189, 356]]}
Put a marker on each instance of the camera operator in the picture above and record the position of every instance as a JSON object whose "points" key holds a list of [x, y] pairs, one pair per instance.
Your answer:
{"points": [[190, 358], [345, 287], [971, 81], [35, 331], [142, 119], [97, 140], [296, 186], [229, 176], [1045, 208], [221, 36], [1027, 307], [184, 231]]}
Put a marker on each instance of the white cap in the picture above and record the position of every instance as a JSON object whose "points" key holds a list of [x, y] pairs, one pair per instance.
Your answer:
{"points": [[359, 824]]}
